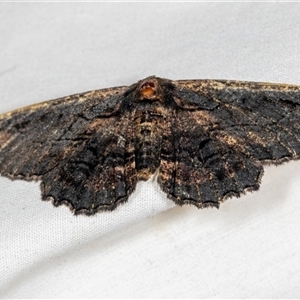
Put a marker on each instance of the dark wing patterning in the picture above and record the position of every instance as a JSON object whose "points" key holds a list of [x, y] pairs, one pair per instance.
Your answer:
{"points": [[215, 142], [75, 146], [222, 134]]}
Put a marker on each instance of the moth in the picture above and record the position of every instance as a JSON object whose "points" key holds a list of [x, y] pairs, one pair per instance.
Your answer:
{"points": [[206, 140]]}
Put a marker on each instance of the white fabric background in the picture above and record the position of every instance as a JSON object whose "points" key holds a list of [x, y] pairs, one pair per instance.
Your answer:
{"points": [[250, 247]]}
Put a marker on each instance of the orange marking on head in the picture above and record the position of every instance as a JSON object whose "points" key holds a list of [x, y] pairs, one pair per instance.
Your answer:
{"points": [[148, 89], [147, 92]]}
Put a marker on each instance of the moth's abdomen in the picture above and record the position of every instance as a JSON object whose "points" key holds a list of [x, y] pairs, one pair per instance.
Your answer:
{"points": [[149, 128]]}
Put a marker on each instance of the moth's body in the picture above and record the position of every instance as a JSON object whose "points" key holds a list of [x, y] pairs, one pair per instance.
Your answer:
{"points": [[147, 143], [149, 121], [208, 140]]}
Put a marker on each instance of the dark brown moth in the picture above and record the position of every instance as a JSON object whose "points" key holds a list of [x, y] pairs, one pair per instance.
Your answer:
{"points": [[206, 139]]}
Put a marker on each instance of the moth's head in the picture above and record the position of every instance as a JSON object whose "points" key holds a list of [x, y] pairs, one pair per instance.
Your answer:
{"points": [[149, 89]]}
